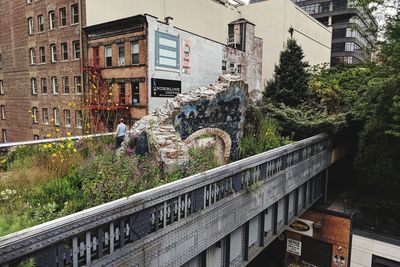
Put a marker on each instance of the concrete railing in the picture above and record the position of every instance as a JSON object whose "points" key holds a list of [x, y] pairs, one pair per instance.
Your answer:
{"points": [[99, 235]]}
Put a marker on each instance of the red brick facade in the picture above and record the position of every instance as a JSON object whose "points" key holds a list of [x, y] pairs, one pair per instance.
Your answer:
{"points": [[25, 101], [124, 81]]}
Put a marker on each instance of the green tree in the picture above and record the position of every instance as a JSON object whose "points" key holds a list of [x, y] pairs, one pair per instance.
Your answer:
{"points": [[290, 81]]}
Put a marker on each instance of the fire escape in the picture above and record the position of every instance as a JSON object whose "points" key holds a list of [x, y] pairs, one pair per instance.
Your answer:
{"points": [[103, 100]]}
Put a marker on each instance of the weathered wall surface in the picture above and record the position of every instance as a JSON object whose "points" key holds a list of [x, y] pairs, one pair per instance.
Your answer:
{"points": [[220, 108]]}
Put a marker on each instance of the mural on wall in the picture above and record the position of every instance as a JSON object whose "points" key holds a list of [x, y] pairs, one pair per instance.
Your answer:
{"points": [[211, 116]]}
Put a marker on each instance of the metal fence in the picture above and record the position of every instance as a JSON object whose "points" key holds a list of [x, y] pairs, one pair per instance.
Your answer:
{"points": [[84, 237]]}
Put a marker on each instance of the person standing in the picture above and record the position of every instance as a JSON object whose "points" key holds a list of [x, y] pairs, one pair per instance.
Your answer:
{"points": [[120, 133]]}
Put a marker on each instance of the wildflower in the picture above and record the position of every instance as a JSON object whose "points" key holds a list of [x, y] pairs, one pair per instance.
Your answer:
{"points": [[110, 94], [69, 139], [69, 104], [62, 146], [74, 150], [57, 130], [54, 155], [44, 146], [49, 145], [69, 133], [48, 135]]}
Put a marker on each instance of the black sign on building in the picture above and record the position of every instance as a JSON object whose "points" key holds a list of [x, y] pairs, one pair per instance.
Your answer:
{"points": [[165, 88]]}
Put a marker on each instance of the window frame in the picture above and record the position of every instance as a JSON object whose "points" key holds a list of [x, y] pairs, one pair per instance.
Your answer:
{"points": [[78, 84], [73, 15], [64, 51], [42, 54], [35, 114], [34, 86], [52, 20], [3, 112], [4, 135], [1, 87], [66, 86], [121, 56], [134, 55], [56, 115], [53, 53], [67, 118], [78, 119], [41, 27], [106, 48], [134, 93], [63, 16], [43, 85], [31, 30], [54, 85], [45, 115], [75, 51], [32, 56]]}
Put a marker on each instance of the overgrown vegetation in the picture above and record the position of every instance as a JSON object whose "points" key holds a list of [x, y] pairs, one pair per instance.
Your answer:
{"points": [[43, 182]]}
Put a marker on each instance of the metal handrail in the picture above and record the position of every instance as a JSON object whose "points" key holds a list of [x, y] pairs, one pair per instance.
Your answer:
{"points": [[265, 165], [50, 140]]}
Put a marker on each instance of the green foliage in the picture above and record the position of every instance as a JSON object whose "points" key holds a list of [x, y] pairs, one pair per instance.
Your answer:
{"points": [[265, 137], [200, 160], [30, 262], [290, 82]]}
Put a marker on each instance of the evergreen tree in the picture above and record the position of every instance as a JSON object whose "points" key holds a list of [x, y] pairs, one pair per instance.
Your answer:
{"points": [[290, 82]]}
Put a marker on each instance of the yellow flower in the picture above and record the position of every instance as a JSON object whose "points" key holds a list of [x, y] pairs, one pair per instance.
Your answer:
{"points": [[69, 138], [69, 145], [69, 133], [74, 150], [44, 146], [57, 130], [54, 155], [62, 146], [49, 145], [110, 94], [48, 135], [69, 104]]}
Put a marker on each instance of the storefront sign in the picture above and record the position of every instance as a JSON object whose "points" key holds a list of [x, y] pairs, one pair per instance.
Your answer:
{"points": [[165, 88], [302, 226], [293, 246]]}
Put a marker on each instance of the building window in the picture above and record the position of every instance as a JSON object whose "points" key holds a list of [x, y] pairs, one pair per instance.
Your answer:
{"points": [[64, 51], [42, 54], [78, 85], [56, 114], [135, 52], [122, 93], [135, 93], [77, 49], [52, 20], [35, 114], [32, 56], [53, 51], [1, 62], [3, 112], [45, 112], [63, 17], [29, 2], [167, 50], [67, 117], [1, 88], [96, 57], [121, 55], [75, 14], [43, 82], [4, 134], [30, 26], [54, 85], [40, 23], [224, 63], [66, 84], [35, 137], [78, 118], [34, 86], [108, 56], [239, 68]]}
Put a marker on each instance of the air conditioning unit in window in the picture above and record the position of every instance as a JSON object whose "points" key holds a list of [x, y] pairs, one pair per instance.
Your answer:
{"points": [[122, 62]]}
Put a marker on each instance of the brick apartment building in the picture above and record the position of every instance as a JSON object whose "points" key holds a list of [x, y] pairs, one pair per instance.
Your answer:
{"points": [[135, 64], [40, 68]]}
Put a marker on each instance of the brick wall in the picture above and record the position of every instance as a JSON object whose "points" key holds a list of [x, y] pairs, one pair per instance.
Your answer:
{"points": [[17, 71]]}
